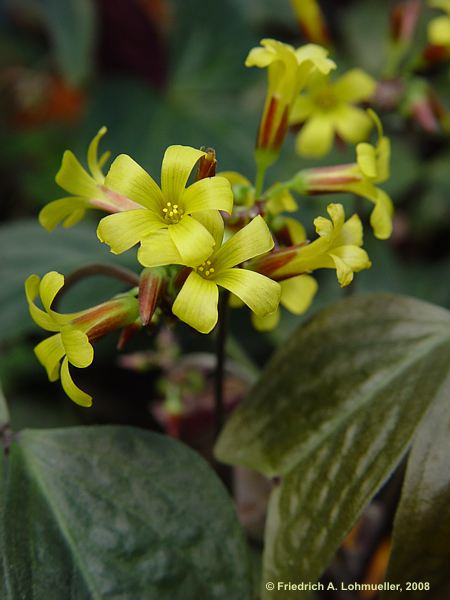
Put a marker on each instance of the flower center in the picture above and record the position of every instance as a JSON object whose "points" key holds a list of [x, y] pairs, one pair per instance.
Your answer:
{"points": [[172, 212], [205, 269], [326, 100]]}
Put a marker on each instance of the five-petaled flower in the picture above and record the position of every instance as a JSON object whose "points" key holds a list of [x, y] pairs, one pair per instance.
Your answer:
{"points": [[326, 108], [74, 332], [174, 212], [196, 303]]}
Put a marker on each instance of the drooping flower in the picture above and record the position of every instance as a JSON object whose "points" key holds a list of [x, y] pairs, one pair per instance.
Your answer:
{"points": [[88, 189], [311, 21], [288, 72], [371, 167], [439, 27], [326, 108], [196, 303], [71, 342], [337, 247], [172, 211]]}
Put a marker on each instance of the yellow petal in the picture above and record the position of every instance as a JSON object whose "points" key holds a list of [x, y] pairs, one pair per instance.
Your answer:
{"points": [[92, 156], [177, 165], [123, 230], [303, 107], [252, 240], [194, 243], [50, 285], [79, 351], [266, 323], [317, 56], [316, 137], [260, 294], [381, 217], [297, 232], [297, 293], [68, 211], [40, 317], [212, 221], [354, 86], [235, 178], [352, 124], [351, 233], [128, 178], [196, 304], [367, 160], [439, 31], [49, 353], [212, 193], [158, 250], [73, 391], [74, 178]]}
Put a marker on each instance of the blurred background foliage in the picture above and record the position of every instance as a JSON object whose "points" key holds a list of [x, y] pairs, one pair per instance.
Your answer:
{"points": [[161, 72]]}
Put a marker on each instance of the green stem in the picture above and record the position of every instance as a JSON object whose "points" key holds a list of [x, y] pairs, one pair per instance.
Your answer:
{"points": [[224, 471], [259, 181]]}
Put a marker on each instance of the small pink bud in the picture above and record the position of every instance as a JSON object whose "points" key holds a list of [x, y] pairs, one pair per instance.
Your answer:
{"points": [[151, 286]]}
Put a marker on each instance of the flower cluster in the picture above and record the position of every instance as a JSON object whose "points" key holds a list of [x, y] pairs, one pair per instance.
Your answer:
{"points": [[198, 233]]}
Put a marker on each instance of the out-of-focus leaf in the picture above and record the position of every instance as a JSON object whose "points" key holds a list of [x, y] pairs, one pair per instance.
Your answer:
{"points": [[421, 552], [117, 512], [25, 248], [71, 26], [333, 414]]}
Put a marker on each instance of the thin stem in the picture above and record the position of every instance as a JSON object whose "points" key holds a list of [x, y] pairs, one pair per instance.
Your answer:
{"points": [[224, 471], [260, 176], [222, 329], [119, 273]]}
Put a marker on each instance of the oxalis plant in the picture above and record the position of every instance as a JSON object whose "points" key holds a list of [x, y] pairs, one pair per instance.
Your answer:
{"points": [[354, 393]]}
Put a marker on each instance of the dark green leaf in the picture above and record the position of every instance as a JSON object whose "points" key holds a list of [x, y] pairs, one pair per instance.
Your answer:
{"points": [[25, 248], [421, 549], [117, 512], [333, 413]]}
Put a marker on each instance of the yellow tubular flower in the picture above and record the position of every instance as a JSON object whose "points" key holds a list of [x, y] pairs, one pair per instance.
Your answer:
{"points": [[326, 108], [439, 28], [311, 21], [196, 303], [87, 188], [73, 332], [371, 167], [171, 213], [288, 72], [337, 247]]}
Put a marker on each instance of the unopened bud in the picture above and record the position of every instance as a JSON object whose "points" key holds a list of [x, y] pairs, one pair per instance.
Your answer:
{"points": [[207, 164], [404, 18], [151, 286]]}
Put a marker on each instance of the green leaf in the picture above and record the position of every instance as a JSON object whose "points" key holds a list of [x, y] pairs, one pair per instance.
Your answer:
{"points": [[25, 248], [333, 414], [421, 552], [117, 512], [71, 25]]}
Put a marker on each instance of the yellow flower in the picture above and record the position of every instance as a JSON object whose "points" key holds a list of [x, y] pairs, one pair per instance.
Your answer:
{"points": [[171, 213], [196, 303], [288, 72], [439, 28], [88, 189], [311, 21], [75, 331], [326, 108], [337, 247], [371, 167]]}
